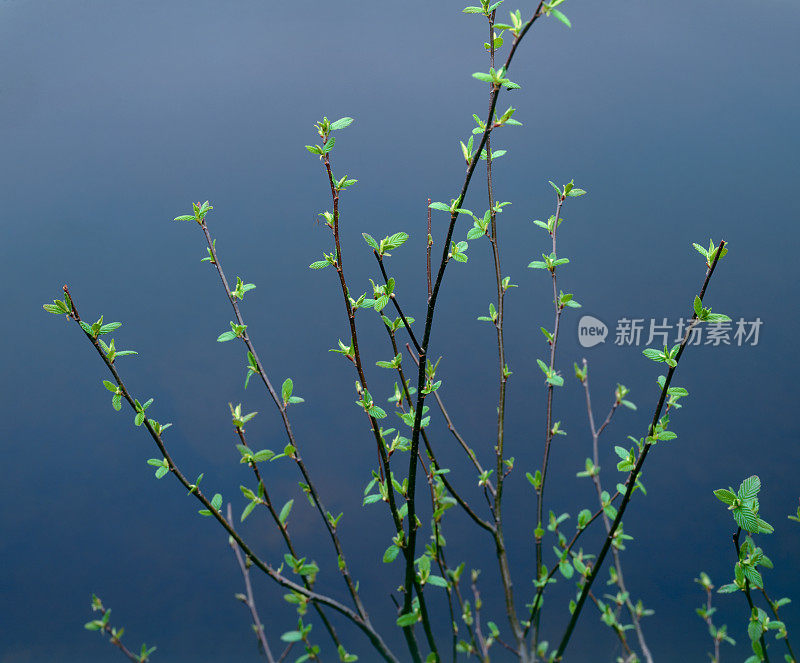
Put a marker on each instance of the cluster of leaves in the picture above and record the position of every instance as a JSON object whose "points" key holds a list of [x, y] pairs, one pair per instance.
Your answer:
{"points": [[744, 507], [103, 626]]}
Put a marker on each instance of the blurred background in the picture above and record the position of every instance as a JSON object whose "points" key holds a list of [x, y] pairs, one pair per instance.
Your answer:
{"points": [[680, 122]]}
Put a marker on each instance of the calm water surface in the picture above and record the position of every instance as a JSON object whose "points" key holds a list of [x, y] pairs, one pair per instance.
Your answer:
{"points": [[682, 125]]}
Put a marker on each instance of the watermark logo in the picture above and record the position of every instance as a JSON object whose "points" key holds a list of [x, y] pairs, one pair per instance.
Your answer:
{"points": [[660, 332], [591, 331]]}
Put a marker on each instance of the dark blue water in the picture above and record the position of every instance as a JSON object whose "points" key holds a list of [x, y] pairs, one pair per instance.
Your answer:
{"points": [[681, 124]]}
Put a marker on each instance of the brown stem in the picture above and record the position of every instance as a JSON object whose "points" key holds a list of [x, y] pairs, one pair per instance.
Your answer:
{"points": [[484, 650], [710, 623], [284, 530], [634, 475], [383, 458], [440, 557], [249, 599], [394, 301], [451, 427], [620, 578], [282, 407], [619, 632], [775, 612], [548, 433], [747, 592], [363, 624], [428, 245], [536, 604], [418, 410], [114, 640]]}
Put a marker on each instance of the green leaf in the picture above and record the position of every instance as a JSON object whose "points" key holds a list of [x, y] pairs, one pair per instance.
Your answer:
{"points": [[561, 17], [248, 510], [746, 519], [749, 488], [319, 264], [395, 241], [437, 581], [725, 496], [226, 336], [486, 78], [408, 619], [440, 206], [287, 508], [391, 554], [286, 389], [369, 239], [341, 123]]}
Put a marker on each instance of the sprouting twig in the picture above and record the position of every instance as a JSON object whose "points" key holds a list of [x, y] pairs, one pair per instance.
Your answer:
{"points": [[282, 407], [747, 594], [364, 625], [634, 475], [620, 578]]}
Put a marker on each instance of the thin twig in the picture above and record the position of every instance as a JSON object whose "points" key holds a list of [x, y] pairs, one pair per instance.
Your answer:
{"points": [[413, 582], [114, 640], [284, 530], [620, 578], [616, 628], [249, 599], [451, 427], [543, 582], [710, 623], [484, 649], [394, 301], [282, 407], [428, 245], [634, 475], [364, 625], [548, 431], [497, 510], [775, 612], [440, 557], [747, 590], [418, 410]]}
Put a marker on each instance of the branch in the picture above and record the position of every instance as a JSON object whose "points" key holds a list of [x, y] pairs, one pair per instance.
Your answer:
{"points": [[548, 431], [284, 530], [620, 579], [418, 410], [363, 624], [775, 612], [543, 582], [351, 586], [408, 631], [248, 599], [761, 640], [451, 427], [631, 483]]}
